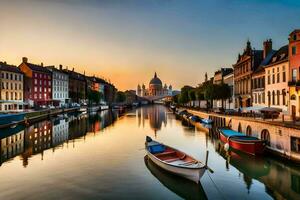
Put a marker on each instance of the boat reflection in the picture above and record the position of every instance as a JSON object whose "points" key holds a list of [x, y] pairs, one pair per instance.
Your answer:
{"points": [[180, 186], [50, 134], [283, 178]]}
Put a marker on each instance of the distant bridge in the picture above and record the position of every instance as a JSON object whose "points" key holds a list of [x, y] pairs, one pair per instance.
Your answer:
{"points": [[157, 98]]}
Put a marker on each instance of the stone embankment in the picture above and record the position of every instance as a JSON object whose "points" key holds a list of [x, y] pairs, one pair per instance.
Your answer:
{"points": [[279, 136]]}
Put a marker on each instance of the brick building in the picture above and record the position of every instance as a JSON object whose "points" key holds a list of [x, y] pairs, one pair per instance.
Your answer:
{"points": [[38, 84]]}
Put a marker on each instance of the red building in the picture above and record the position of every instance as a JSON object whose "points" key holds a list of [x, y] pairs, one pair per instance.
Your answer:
{"points": [[37, 84], [294, 76]]}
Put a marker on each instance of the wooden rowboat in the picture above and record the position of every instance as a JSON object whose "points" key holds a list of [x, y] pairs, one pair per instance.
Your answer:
{"points": [[242, 142], [175, 161]]}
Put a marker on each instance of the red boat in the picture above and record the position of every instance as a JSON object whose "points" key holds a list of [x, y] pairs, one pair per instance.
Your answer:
{"points": [[242, 142]]}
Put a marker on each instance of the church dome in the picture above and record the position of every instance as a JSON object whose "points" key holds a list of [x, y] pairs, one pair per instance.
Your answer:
{"points": [[155, 80]]}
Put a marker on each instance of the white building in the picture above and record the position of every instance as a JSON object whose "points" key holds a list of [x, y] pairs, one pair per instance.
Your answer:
{"points": [[11, 88], [60, 132], [276, 80], [60, 85]]}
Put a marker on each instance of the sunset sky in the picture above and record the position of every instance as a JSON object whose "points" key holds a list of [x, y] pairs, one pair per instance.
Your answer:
{"points": [[126, 41]]}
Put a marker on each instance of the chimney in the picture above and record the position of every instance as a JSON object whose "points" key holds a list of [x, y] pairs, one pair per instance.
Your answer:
{"points": [[42, 64], [73, 69], [24, 59], [60, 67], [267, 48]]}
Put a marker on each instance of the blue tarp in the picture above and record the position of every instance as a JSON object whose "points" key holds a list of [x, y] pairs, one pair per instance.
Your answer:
{"points": [[155, 147], [230, 133]]}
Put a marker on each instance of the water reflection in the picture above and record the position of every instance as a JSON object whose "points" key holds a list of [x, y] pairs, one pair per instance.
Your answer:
{"points": [[112, 165], [156, 115], [52, 133], [182, 187]]}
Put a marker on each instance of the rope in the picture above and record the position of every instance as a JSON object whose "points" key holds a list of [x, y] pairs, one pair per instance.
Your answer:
{"points": [[219, 191]]}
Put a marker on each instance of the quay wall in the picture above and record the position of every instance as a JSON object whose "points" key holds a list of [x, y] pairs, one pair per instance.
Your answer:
{"points": [[277, 135]]}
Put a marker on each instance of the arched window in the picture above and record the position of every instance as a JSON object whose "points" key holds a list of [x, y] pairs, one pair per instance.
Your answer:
{"points": [[265, 135], [249, 131], [240, 128], [273, 97], [278, 97], [293, 97]]}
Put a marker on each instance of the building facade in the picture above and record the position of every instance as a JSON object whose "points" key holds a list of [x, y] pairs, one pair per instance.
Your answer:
{"points": [[77, 87], [224, 75], [155, 88], [276, 80], [258, 76], [11, 88], [294, 73], [60, 86], [246, 64], [38, 84]]}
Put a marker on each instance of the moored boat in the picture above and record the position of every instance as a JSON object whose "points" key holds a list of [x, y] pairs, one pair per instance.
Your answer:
{"points": [[175, 161], [11, 118], [207, 121], [239, 141]]}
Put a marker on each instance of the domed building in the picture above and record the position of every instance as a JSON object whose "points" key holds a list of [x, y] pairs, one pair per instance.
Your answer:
{"points": [[155, 88]]}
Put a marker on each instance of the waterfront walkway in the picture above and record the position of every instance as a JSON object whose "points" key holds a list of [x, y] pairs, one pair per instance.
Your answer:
{"points": [[288, 123]]}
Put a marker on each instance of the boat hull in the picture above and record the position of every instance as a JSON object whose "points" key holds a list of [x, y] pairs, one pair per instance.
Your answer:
{"points": [[188, 173], [248, 146]]}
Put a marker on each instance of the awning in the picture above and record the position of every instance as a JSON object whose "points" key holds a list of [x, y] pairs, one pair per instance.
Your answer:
{"points": [[252, 108], [271, 109]]}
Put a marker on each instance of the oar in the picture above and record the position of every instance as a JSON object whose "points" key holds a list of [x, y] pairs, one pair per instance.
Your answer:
{"points": [[206, 166]]}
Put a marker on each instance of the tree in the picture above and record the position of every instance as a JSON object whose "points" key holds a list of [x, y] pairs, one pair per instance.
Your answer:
{"points": [[94, 97], [199, 95], [224, 92], [120, 97], [192, 95]]}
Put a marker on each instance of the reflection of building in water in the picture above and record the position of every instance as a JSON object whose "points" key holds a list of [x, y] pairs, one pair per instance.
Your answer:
{"points": [[38, 138], [12, 146], [60, 131], [156, 115], [78, 126], [101, 120]]}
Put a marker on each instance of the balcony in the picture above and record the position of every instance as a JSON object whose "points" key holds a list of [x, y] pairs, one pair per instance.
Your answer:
{"points": [[294, 83]]}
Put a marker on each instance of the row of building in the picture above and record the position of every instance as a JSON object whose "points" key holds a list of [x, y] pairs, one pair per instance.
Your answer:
{"points": [[31, 86], [265, 78]]}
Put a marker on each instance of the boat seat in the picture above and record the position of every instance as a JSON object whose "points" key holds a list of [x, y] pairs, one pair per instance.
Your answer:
{"points": [[175, 159], [165, 153]]}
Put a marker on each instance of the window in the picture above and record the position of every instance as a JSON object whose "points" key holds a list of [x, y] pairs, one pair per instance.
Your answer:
{"points": [[294, 75], [283, 76], [273, 98], [278, 77], [269, 79], [278, 97], [294, 37], [295, 144], [283, 97], [263, 97], [294, 50]]}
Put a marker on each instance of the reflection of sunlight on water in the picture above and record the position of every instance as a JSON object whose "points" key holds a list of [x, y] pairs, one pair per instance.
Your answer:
{"points": [[102, 153]]}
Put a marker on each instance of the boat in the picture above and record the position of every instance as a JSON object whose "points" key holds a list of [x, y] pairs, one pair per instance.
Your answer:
{"points": [[195, 118], [242, 142], [184, 188], [207, 121], [11, 118], [175, 161]]}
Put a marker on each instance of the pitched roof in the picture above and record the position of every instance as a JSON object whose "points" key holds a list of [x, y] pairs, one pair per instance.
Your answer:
{"points": [[38, 68], [265, 61], [10, 68], [280, 55], [75, 75]]}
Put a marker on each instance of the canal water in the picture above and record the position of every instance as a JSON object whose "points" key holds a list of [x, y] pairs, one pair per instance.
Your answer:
{"points": [[102, 156]]}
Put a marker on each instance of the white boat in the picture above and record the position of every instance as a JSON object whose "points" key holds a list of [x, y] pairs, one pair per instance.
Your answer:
{"points": [[175, 161]]}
